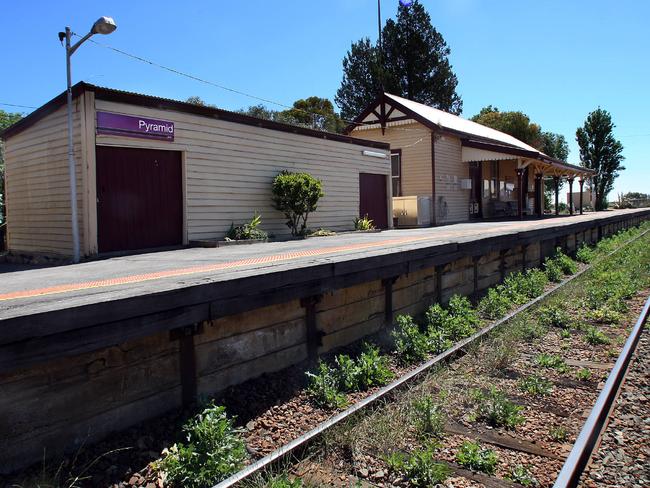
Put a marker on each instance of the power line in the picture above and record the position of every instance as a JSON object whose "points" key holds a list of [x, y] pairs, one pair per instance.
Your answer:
{"points": [[17, 106], [217, 85]]}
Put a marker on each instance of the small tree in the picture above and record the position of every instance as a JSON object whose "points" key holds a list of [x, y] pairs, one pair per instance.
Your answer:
{"points": [[602, 152], [296, 195]]}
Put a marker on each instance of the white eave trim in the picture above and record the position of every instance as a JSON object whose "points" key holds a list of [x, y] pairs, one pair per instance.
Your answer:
{"points": [[388, 124], [470, 154]]}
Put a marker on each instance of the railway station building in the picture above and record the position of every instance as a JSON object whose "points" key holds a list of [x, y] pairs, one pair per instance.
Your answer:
{"points": [[154, 173], [446, 169]]}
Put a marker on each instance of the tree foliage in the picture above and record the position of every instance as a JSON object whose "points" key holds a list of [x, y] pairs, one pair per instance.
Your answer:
{"points": [[260, 111], [6, 119], [517, 124], [413, 62], [196, 100], [296, 195], [555, 146], [312, 112], [600, 151], [315, 112]]}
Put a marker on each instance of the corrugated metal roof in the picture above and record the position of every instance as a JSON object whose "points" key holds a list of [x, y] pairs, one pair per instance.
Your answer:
{"points": [[456, 123]]}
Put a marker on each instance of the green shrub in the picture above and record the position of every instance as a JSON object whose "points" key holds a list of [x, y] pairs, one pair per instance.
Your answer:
{"points": [[419, 468], [583, 374], [327, 385], [554, 316], [566, 264], [565, 334], [213, 450], [585, 254], [495, 304], [472, 456], [428, 417], [595, 337], [519, 474], [551, 361], [296, 195], [321, 233], [495, 408], [371, 369], [553, 270], [411, 345], [457, 321], [535, 281], [247, 231], [324, 387], [522, 287], [535, 385], [363, 223], [604, 315], [460, 308]]}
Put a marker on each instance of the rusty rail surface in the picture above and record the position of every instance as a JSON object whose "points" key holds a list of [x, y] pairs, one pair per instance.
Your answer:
{"points": [[597, 421]]}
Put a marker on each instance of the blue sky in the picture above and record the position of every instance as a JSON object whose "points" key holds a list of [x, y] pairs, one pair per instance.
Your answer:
{"points": [[554, 60]]}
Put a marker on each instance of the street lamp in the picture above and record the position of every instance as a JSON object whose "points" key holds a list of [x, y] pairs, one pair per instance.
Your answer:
{"points": [[103, 25]]}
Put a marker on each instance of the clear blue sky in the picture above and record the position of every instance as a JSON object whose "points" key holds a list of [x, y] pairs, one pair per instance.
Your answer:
{"points": [[555, 60]]}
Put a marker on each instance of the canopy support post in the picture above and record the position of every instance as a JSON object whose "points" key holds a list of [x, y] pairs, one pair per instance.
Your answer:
{"points": [[556, 182], [581, 182]]}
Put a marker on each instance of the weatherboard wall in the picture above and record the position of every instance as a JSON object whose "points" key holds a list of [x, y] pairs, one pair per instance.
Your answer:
{"points": [[38, 184], [229, 169], [414, 141], [451, 202]]}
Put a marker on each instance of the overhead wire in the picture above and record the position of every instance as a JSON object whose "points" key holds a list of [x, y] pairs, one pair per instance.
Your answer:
{"points": [[220, 86], [17, 106]]}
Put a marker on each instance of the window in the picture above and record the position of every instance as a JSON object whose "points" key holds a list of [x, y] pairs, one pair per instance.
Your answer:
{"points": [[396, 172]]}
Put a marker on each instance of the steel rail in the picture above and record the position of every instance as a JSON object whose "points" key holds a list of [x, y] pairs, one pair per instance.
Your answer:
{"points": [[306, 438], [584, 446]]}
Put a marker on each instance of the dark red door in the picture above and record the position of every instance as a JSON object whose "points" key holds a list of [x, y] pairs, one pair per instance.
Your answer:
{"points": [[139, 198], [373, 200]]}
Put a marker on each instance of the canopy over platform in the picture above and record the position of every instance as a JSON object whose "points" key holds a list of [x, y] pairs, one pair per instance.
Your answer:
{"points": [[480, 143]]}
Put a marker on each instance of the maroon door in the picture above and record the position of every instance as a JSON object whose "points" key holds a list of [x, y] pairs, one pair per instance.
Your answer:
{"points": [[139, 198], [373, 200]]}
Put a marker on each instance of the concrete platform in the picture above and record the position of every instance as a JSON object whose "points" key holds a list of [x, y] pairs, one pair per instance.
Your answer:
{"points": [[203, 284], [29, 292]]}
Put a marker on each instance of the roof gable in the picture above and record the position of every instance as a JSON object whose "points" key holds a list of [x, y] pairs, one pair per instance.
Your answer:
{"points": [[391, 108]]}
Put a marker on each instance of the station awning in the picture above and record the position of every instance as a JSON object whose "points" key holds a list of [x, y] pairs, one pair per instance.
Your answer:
{"points": [[476, 150]]}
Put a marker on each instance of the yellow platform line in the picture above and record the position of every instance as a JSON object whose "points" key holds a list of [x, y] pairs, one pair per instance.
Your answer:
{"points": [[205, 268]]}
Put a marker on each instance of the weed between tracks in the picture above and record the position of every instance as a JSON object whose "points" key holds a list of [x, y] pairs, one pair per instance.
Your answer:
{"points": [[519, 380]]}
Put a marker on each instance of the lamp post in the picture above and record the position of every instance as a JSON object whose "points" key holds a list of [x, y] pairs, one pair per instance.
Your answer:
{"points": [[103, 25]]}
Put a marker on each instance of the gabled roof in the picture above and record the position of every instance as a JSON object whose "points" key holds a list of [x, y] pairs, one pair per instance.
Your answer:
{"points": [[149, 101], [389, 108], [453, 122]]}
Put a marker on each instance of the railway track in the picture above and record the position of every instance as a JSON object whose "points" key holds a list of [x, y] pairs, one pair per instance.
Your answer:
{"points": [[353, 461]]}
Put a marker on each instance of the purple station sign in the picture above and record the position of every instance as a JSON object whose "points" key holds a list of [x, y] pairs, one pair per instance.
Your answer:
{"points": [[126, 125]]}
